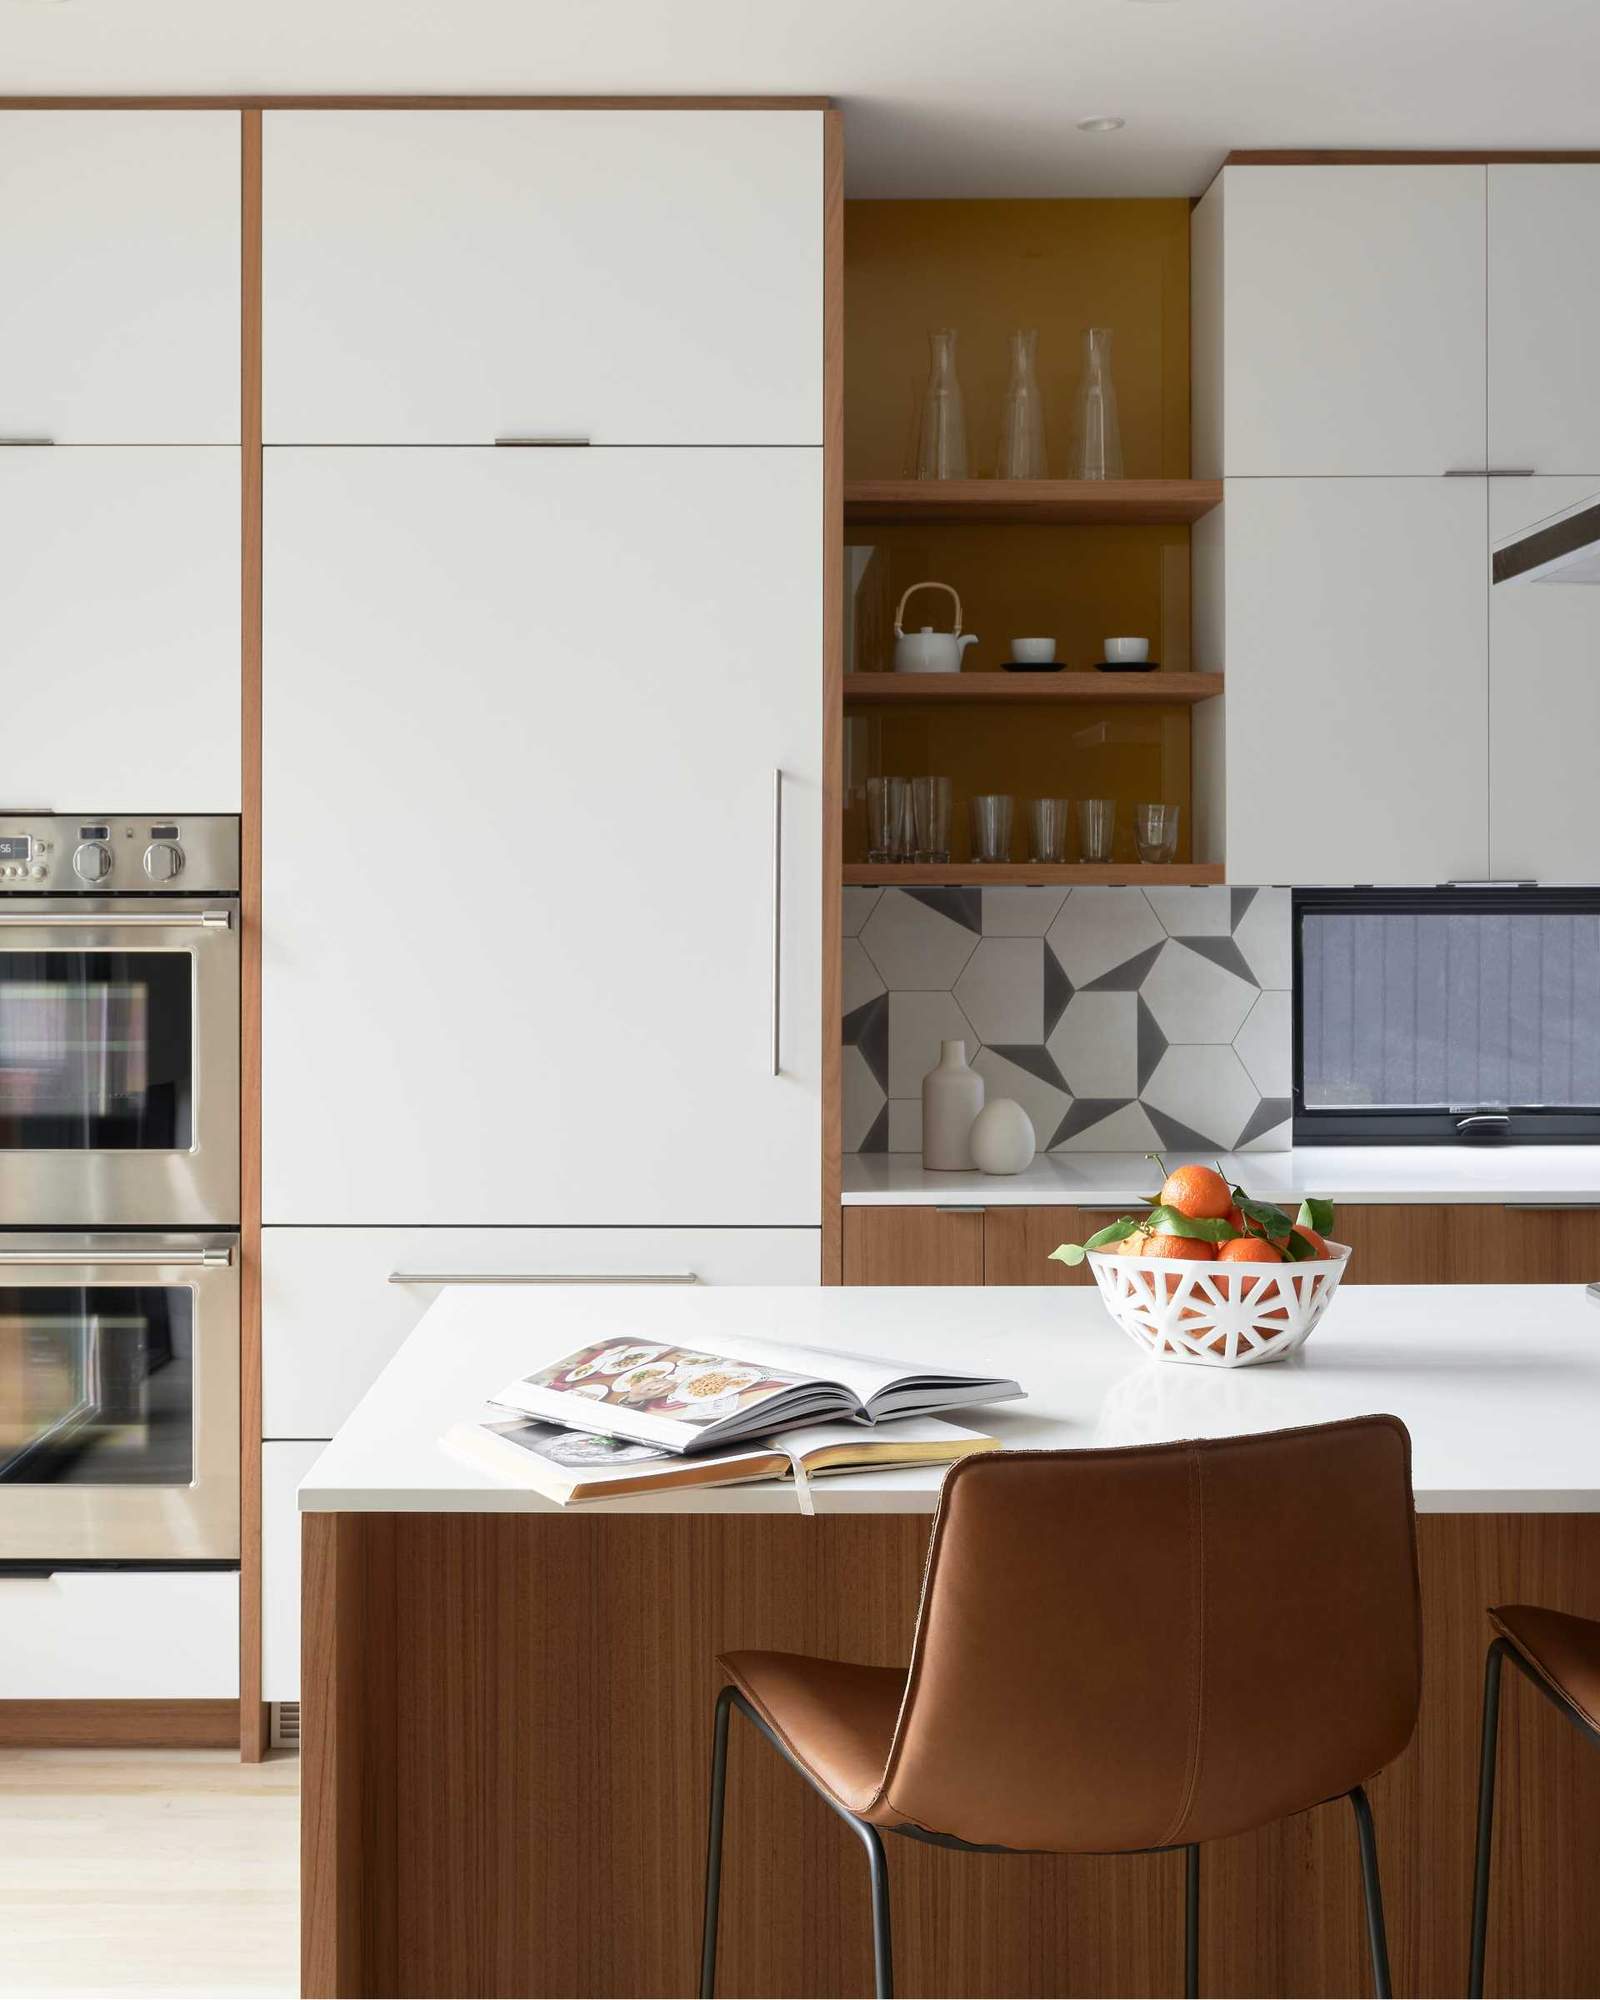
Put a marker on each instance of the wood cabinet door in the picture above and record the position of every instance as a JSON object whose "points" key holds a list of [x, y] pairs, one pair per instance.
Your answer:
{"points": [[524, 716], [913, 1246], [1357, 642], [119, 312], [1470, 1243], [1017, 1243], [623, 276], [1352, 320], [1544, 317], [1544, 703], [121, 629]]}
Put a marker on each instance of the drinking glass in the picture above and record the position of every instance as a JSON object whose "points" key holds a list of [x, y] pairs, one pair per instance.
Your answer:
{"points": [[1155, 828], [1096, 434], [942, 443], [1047, 822], [1021, 453], [990, 816], [930, 813], [1097, 828], [888, 819]]}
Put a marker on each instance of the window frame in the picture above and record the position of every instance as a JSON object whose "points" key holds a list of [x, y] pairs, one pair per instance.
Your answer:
{"points": [[1527, 1125]]}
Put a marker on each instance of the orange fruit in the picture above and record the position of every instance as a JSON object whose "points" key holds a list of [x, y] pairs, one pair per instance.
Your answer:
{"points": [[1318, 1243], [1249, 1250], [1157, 1244], [1198, 1192]]}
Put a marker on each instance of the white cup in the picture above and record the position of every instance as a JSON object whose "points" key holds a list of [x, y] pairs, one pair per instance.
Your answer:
{"points": [[1033, 652], [1123, 652]]}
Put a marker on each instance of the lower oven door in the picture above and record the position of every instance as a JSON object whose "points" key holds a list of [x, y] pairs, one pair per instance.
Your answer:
{"points": [[119, 1398]]}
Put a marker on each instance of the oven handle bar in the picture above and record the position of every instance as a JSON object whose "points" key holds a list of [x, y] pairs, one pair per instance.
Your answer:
{"points": [[110, 1260], [543, 1278], [171, 920]]}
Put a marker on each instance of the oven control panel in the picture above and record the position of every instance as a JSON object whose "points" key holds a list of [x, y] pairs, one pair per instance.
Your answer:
{"points": [[118, 854]]}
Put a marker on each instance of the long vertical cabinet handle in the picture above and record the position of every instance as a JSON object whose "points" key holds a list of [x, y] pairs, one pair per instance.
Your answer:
{"points": [[777, 921]]}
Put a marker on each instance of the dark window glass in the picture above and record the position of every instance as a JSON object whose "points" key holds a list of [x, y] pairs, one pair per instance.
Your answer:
{"points": [[96, 1385], [96, 1050], [1416, 1010]]}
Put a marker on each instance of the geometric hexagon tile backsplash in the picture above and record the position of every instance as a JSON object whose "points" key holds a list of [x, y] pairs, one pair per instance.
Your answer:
{"points": [[1122, 1020]]}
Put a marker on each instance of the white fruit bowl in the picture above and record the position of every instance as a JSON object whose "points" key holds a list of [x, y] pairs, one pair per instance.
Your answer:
{"points": [[1217, 1315]]}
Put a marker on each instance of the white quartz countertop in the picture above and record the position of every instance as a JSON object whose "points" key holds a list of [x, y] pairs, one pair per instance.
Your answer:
{"points": [[1499, 1384], [1538, 1176]]}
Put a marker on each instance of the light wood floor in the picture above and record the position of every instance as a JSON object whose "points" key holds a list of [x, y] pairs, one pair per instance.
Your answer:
{"points": [[148, 1872]]}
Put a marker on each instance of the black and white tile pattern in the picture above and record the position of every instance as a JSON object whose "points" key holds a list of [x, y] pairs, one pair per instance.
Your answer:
{"points": [[1121, 1019]]}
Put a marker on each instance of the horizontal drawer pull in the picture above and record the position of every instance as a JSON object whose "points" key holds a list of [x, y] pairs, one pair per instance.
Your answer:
{"points": [[959, 1208], [171, 920], [1489, 472], [542, 444], [543, 1278], [25, 444], [111, 1260], [1552, 1207]]}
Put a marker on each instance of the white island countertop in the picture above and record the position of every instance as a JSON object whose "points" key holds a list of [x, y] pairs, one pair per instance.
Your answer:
{"points": [[1499, 1385], [1535, 1176]]}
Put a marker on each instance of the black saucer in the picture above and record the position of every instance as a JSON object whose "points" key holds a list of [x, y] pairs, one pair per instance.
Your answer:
{"points": [[1033, 666], [1127, 666]]}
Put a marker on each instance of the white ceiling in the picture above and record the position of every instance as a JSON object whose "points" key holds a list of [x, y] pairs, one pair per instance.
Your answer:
{"points": [[942, 97]]}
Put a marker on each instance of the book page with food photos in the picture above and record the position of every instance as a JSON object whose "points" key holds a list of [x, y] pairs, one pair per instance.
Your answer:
{"points": [[689, 1400]]}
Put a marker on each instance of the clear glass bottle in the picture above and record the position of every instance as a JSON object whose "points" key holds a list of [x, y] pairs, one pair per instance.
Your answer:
{"points": [[1096, 437], [942, 440], [1021, 454]]}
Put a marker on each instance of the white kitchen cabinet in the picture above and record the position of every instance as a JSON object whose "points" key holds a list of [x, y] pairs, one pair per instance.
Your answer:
{"points": [[1544, 317], [120, 1635], [524, 719], [119, 312], [332, 1315], [283, 1466], [121, 629], [1544, 703], [1339, 321], [1357, 679], [622, 276]]}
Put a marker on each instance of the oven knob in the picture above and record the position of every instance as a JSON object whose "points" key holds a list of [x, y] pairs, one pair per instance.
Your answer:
{"points": [[162, 860], [92, 862]]}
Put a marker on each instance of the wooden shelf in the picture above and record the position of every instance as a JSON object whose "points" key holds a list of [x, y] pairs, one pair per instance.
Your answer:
{"points": [[1004, 874], [1141, 690], [1158, 503]]}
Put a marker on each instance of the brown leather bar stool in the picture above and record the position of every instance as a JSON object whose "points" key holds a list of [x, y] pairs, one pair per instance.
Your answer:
{"points": [[1118, 1652], [1560, 1654]]}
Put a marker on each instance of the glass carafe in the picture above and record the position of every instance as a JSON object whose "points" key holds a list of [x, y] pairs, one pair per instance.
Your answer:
{"points": [[1021, 454], [942, 440], [1096, 438]]}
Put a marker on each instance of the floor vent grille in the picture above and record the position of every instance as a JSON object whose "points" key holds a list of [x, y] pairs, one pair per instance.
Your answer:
{"points": [[286, 1725]]}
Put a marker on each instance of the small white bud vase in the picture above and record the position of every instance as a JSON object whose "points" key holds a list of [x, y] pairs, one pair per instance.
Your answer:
{"points": [[952, 1097], [1002, 1138]]}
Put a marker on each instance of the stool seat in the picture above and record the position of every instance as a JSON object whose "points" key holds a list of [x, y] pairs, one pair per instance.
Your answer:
{"points": [[1562, 1649], [835, 1719]]}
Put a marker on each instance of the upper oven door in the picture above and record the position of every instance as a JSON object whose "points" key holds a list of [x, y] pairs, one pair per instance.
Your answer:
{"points": [[119, 1062], [119, 1398]]}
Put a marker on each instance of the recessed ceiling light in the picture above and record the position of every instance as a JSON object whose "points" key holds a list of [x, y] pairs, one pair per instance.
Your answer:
{"points": [[1101, 124]]}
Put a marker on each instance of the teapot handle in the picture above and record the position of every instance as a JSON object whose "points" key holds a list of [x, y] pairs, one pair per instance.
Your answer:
{"points": [[899, 628]]}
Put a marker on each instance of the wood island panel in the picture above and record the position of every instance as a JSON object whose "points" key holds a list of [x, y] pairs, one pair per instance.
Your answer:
{"points": [[913, 1246], [507, 1732]]}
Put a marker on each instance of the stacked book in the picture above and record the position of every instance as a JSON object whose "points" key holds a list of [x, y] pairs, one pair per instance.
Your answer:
{"points": [[626, 1416]]}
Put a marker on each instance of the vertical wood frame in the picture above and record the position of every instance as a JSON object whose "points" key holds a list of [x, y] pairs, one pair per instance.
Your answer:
{"points": [[832, 688], [252, 1711]]}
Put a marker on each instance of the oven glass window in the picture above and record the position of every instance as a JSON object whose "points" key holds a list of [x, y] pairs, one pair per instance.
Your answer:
{"points": [[96, 1385], [96, 1051]]}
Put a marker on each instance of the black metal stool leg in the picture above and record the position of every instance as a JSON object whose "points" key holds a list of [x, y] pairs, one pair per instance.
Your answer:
{"points": [[719, 1787], [1488, 1748], [1191, 1923], [1372, 1889], [882, 1944]]}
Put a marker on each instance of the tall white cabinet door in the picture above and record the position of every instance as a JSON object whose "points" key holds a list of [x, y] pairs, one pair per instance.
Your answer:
{"points": [[1352, 320], [1544, 317], [119, 310], [626, 277], [1357, 679], [1544, 704], [524, 719], [120, 629]]}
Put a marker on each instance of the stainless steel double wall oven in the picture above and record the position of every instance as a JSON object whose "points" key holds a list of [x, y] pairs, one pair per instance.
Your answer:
{"points": [[119, 1189]]}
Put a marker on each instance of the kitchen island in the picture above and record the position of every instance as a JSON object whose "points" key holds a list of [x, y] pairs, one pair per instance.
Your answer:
{"points": [[506, 1707]]}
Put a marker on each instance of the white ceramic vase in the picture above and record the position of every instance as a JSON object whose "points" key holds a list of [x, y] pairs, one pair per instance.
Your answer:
{"points": [[952, 1097], [1002, 1138]]}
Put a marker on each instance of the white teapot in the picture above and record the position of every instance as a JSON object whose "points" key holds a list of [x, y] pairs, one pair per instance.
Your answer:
{"points": [[927, 651]]}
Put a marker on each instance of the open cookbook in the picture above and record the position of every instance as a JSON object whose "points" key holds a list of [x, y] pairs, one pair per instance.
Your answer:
{"points": [[567, 1466], [683, 1400]]}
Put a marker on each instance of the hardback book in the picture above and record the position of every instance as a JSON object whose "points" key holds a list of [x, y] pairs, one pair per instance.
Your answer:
{"points": [[567, 1466], [683, 1400]]}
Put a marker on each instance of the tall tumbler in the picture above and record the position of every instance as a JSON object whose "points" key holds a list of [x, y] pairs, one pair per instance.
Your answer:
{"points": [[930, 813], [1047, 824], [990, 819], [888, 820], [1097, 828]]}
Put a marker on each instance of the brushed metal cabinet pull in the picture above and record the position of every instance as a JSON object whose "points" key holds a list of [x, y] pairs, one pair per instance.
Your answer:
{"points": [[959, 1208], [1551, 1207], [1489, 472], [541, 443]]}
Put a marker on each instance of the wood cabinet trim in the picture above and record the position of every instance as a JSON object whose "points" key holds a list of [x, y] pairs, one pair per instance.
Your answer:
{"points": [[421, 103], [832, 690]]}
